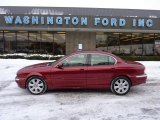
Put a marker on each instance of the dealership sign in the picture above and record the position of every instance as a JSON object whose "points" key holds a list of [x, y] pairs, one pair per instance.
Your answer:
{"points": [[50, 20], [62, 21]]}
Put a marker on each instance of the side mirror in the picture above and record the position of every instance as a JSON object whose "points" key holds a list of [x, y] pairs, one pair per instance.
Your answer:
{"points": [[60, 66]]}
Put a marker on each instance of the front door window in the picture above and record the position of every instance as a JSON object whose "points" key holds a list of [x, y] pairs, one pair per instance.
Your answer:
{"points": [[76, 60]]}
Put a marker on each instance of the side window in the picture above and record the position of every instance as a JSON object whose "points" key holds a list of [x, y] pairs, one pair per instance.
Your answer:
{"points": [[111, 60], [99, 59], [76, 60]]}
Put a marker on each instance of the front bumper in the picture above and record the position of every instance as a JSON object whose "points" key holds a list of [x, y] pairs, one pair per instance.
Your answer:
{"points": [[20, 82]]}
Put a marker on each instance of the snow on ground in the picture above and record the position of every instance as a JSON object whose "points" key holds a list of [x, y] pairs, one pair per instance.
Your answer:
{"points": [[141, 103]]}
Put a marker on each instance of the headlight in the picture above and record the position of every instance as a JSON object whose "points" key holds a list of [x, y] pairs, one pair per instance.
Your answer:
{"points": [[16, 79]]}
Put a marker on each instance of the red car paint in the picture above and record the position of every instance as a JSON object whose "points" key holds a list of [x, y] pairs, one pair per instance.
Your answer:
{"points": [[83, 76]]}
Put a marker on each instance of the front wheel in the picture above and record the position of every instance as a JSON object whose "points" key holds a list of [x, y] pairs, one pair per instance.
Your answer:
{"points": [[120, 85], [36, 85]]}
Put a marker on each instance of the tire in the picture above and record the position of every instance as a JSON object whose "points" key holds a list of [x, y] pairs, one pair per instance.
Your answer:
{"points": [[120, 85], [36, 85]]}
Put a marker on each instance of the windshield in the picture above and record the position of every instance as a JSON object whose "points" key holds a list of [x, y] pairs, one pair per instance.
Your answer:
{"points": [[60, 59]]}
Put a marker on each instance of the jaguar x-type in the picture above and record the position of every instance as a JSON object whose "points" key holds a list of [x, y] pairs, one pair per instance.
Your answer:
{"points": [[83, 70]]}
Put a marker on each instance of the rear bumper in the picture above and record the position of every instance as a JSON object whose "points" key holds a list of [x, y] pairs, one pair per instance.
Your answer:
{"points": [[142, 76], [139, 79]]}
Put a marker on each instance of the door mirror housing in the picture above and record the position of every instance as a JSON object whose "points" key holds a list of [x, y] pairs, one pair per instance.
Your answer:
{"points": [[60, 66]]}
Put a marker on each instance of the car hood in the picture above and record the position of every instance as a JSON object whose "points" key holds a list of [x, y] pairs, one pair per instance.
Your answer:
{"points": [[34, 67], [39, 65]]}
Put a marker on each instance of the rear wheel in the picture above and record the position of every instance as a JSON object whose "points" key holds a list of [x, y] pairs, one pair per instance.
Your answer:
{"points": [[120, 85], [36, 85]]}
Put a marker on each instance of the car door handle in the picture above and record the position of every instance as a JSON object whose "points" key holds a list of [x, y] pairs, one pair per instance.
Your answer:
{"points": [[112, 68], [81, 69]]}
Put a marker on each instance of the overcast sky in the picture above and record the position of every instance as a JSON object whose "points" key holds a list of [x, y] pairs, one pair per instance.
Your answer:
{"points": [[126, 4]]}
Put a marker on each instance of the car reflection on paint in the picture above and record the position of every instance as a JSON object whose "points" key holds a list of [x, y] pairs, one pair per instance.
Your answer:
{"points": [[86, 69]]}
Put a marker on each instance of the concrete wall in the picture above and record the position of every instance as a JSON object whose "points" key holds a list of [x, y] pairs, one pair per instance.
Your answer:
{"points": [[87, 39]]}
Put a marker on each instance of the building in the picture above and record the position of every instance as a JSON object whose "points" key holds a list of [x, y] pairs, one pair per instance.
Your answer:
{"points": [[62, 30]]}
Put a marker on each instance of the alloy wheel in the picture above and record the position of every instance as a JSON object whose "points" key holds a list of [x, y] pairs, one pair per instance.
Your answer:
{"points": [[120, 86], [36, 86]]}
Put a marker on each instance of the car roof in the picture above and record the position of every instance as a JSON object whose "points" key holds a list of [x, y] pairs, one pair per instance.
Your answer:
{"points": [[102, 52]]}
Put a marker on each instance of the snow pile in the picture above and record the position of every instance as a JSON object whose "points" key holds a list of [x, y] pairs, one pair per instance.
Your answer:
{"points": [[27, 56], [141, 103]]}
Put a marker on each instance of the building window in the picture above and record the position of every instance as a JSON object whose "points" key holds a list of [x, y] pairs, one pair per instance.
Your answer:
{"points": [[125, 43], [54, 42], [137, 44], [10, 42], [22, 42], [1, 42], [46, 42], [59, 43], [101, 42], [157, 44], [148, 44], [113, 42], [34, 42], [108, 42]]}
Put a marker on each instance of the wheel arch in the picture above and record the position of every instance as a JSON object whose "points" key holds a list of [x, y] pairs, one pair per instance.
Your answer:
{"points": [[121, 76], [35, 75]]}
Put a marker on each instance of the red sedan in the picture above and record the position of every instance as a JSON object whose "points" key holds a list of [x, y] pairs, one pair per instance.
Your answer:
{"points": [[89, 69]]}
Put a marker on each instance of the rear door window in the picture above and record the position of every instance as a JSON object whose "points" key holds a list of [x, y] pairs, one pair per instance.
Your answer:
{"points": [[100, 59]]}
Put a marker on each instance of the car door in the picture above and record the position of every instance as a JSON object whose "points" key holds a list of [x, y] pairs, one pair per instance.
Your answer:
{"points": [[101, 70], [73, 72]]}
